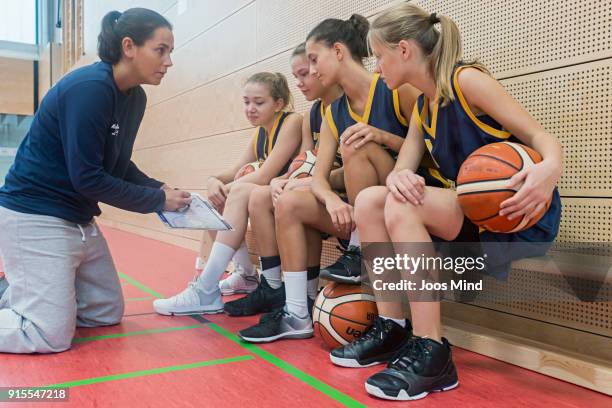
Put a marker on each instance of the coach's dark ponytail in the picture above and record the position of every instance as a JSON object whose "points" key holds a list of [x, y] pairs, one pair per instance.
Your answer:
{"points": [[135, 23], [352, 33]]}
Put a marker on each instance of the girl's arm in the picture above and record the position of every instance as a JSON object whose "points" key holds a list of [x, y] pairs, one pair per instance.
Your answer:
{"points": [[307, 142], [484, 94], [341, 213], [326, 154]]}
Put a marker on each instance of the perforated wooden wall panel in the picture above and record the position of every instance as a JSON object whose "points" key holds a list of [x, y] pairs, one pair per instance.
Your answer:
{"points": [[284, 24], [575, 105], [551, 298], [514, 37]]}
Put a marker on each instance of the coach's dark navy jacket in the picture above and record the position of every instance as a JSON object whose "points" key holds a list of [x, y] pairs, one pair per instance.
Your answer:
{"points": [[78, 149]]}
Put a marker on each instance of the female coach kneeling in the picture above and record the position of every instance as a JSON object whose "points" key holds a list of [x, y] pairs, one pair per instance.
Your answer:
{"points": [[59, 271]]}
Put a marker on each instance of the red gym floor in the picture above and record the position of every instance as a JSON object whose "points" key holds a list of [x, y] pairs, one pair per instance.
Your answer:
{"points": [[155, 361]]}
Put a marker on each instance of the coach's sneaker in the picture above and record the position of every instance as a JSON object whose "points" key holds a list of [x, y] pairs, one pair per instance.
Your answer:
{"points": [[377, 345], [263, 299], [4, 292], [346, 269], [190, 301], [421, 367], [3, 285], [239, 281], [280, 324]]}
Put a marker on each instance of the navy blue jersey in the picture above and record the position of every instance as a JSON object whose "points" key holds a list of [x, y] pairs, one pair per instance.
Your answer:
{"points": [[452, 132], [317, 113], [382, 111], [263, 143]]}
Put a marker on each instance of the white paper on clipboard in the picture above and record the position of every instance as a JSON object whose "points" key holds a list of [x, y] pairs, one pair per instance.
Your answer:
{"points": [[200, 215]]}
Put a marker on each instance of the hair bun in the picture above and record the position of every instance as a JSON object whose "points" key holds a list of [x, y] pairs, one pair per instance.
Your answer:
{"points": [[359, 23], [114, 16]]}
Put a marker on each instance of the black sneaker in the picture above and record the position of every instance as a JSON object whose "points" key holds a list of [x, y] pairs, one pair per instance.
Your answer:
{"points": [[377, 345], [263, 299], [346, 269], [421, 367], [278, 325]]}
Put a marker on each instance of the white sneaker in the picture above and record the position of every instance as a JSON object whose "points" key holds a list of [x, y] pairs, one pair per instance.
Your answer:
{"points": [[3, 284], [3, 291], [239, 281], [190, 301]]}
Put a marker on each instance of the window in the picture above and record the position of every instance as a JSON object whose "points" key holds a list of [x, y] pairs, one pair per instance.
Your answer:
{"points": [[18, 21]]}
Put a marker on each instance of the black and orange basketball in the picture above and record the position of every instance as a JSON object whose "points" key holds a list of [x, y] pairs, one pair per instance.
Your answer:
{"points": [[247, 169], [303, 164], [342, 313], [482, 185]]}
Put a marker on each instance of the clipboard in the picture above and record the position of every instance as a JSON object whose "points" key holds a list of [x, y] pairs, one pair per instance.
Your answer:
{"points": [[199, 215]]}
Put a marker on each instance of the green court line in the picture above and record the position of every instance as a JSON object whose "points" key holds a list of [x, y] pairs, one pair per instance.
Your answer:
{"points": [[142, 373], [134, 333], [139, 285], [289, 369], [138, 298], [317, 384]]}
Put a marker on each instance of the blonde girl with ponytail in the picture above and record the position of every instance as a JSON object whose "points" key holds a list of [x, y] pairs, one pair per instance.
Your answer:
{"points": [[461, 109]]}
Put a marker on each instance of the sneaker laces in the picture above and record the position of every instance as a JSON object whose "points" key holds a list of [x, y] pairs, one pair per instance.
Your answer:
{"points": [[188, 296], [240, 270], [377, 329], [255, 295], [352, 253], [273, 315], [414, 351], [233, 276]]}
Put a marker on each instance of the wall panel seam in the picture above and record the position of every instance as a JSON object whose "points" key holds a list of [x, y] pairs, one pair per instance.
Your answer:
{"points": [[191, 139], [169, 7], [215, 79]]}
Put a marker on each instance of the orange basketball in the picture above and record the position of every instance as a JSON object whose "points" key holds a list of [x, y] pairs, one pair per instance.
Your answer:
{"points": [[247, 169], [482, 185], [303, 164], [342, 313]]}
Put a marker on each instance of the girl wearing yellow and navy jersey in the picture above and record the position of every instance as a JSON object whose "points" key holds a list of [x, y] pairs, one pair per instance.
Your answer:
{"points": [[277, 137], [365, 118], [270, 294], [462, 109]]}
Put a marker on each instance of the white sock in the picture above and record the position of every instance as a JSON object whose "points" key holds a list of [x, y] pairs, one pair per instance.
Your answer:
{"points": [[242, 257], [219, 258], [199, 264], [401, 322], [273, 276], [354, 241], [295, 292], [312, 288]]}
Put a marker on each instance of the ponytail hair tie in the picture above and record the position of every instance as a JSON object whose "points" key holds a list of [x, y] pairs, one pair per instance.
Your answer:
{"points": [[433, 19]]}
